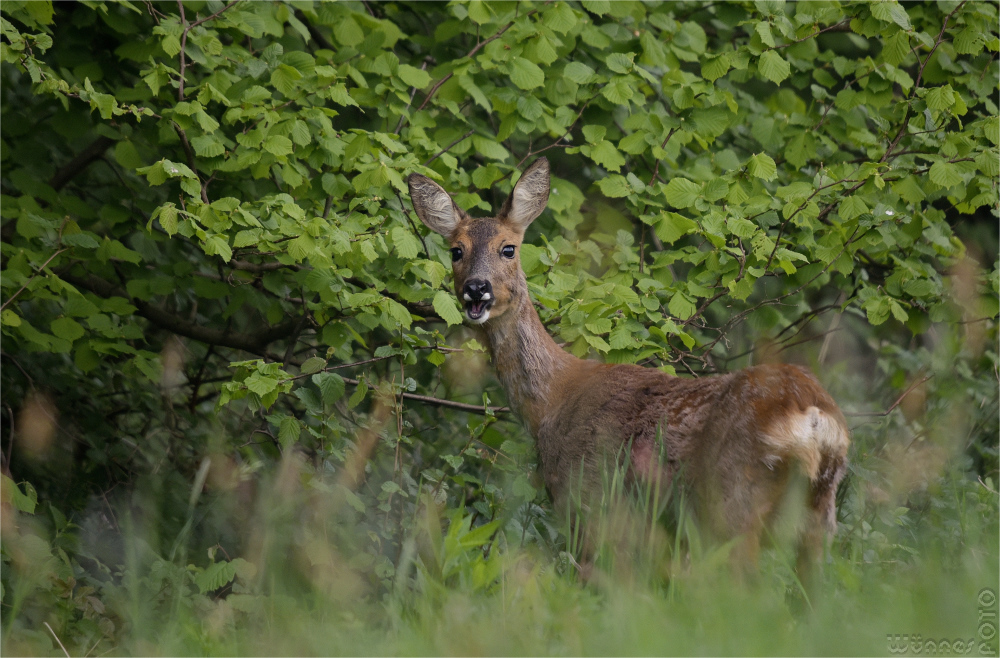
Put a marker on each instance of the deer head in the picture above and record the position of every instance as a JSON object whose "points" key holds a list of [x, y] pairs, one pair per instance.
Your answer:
{"points": [[485, 251]]}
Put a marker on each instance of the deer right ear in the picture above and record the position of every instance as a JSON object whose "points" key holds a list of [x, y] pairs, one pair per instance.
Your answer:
{"points": [[529, 196], [433, 205]]}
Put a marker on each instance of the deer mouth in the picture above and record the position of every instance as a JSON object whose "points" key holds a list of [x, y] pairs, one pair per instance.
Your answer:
{"points": [[478, 311]]}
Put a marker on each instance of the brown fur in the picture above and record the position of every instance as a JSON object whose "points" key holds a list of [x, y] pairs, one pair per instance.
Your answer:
{"points": [[739, 439]]}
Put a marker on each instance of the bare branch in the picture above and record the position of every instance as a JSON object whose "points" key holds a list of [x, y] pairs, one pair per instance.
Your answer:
{"points": [[255, 343], [21, 289], [92, 152], [449, 147], [895, 404], [479, 46], [439, 402], [839, 27], [314, 31]]}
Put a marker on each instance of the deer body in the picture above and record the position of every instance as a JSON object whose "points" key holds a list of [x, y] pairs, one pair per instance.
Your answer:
{"points": [[737, 438]]}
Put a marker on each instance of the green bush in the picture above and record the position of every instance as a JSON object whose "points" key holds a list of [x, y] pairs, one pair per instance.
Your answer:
{"points": [[239, 415]]}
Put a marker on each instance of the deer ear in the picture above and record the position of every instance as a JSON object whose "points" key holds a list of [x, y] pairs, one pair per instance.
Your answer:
{"points": [[529, 197], [433, 205]]}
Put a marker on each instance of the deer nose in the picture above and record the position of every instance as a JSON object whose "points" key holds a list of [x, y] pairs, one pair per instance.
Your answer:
{"points": [[476, 290]]}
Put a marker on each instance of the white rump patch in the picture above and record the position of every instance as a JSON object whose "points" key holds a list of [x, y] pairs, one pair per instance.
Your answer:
{"points": [[806, 436]]}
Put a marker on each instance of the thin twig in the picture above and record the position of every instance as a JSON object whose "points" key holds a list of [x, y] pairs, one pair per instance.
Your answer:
{"points": [[189, 152], [439, 402], [26, 283], [937, 42], [215, 15], [842, 23], [184, 36], [449, 147], [183, 59], [656, 169], [413, 92], [57, 638], [895, 404], [471, 53]]}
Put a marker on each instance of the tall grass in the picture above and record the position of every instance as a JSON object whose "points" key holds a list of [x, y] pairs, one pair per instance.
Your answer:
{"points": [[287, 560], [301, 587]]}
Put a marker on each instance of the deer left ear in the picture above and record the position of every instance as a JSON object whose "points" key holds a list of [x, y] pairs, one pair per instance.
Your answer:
{"points": [[433, 205], [530, 195]]}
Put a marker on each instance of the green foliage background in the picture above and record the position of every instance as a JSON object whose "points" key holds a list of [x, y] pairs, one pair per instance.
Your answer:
{"points": [[234, 410]]}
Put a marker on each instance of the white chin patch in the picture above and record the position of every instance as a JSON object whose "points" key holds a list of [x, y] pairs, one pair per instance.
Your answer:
{"points": [[481, 319]]}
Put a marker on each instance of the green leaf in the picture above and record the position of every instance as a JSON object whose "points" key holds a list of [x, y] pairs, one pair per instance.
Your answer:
{"points": [[762, 166], [578, 72], [312, 364], [278, 145], [713, 68], [773, 66], [897, 311], [713, 121], [413, 76], [479, 536], [618, 91], [260, 384], [597, 7], [620, 62], [359, 394], [672, 226], [970, 41], [218, 245], [909, 189], [480, 12], [348, 32], [614, 186], [681, 193], [896, 48], [369, 182], [407, 246], [331, 386], [215, 576], [206, 146], [764, 32], [167, 217], [940, 98], [559, 18], [945, 174], [289, 431], [10, 318], [447, 308], [890, 11], [67, 328], [742, 228], [489, 148], [284, 78], [851, 207], [593, 133], [605, 154], [597, 343], [991, 128], [484, 177], [526, 74], [635, 143], [681, 307], [127, 155], [23, 502], [338, 94]]}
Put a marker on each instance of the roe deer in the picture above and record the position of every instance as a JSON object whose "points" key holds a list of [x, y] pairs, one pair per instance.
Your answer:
{"points": [[736, 440]]}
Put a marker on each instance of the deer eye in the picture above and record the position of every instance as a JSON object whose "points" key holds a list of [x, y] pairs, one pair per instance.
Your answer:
{"points": [[456, 254], [508, 251]]}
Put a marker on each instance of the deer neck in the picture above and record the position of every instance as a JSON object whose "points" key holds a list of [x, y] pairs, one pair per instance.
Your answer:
{"points": [[526, 359]]}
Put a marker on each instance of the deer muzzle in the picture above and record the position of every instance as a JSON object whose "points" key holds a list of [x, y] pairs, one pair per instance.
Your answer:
{"points": [[477, 294]]}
